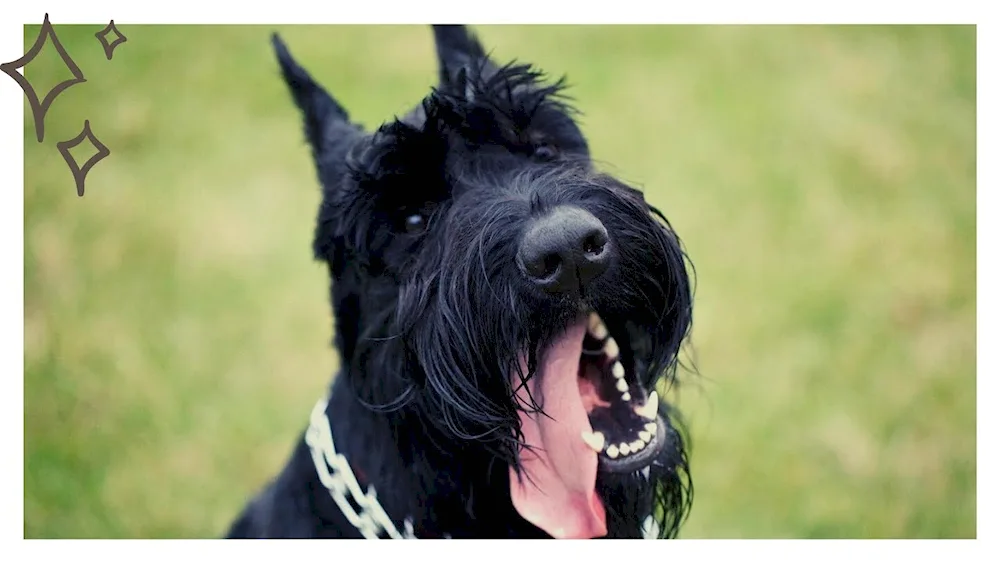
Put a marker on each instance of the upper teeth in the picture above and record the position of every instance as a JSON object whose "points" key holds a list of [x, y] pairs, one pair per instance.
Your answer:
{"points": [[599, 331]]}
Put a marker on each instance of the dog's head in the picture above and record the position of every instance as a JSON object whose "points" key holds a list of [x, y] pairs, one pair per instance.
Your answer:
{"points": [[501, 296]]}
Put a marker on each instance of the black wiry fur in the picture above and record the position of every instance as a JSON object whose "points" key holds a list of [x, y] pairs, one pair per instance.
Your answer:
{"points": [[429, 324]]}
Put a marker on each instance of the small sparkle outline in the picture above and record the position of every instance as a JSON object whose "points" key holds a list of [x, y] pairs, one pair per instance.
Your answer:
{"points": [[80, 172], [102, 37]]}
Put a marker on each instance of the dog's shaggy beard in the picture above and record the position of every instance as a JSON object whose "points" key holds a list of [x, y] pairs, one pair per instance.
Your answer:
{"points": [[465, 330], [665, 494]]}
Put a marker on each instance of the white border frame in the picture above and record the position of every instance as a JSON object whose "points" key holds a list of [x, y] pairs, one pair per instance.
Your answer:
{"points": [[625, 11]]}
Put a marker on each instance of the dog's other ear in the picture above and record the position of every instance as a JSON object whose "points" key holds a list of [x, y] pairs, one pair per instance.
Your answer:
{"points": [[458, 50], [319, 110]]}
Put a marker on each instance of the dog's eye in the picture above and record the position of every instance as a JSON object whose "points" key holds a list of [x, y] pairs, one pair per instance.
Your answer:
{"points": [[545, 152], [416, 223]]}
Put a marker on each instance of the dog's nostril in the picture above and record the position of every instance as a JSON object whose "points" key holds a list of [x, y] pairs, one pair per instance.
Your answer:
{"points": [[540, 267], [594, 243], [550, 264]]}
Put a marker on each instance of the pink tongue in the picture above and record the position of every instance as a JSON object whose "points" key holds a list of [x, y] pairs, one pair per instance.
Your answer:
{"points": [[556, 492]]}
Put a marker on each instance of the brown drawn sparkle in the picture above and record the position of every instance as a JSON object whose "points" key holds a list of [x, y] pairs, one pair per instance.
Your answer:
{"points": [[80, 172], [102, 36], [39, 108]]}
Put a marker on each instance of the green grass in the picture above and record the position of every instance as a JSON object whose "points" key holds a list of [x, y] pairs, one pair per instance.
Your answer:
{"points": [[823, 179]]}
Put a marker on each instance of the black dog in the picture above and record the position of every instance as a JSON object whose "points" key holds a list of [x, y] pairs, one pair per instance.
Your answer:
{"points": [[503, 313]]}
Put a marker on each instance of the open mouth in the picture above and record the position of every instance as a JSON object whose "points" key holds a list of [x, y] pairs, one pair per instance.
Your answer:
{"points": [[625, 429], [597, 415]]}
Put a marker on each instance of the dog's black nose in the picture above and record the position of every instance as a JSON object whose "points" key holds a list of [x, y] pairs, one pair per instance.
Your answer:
{"points": [[564, 250]]}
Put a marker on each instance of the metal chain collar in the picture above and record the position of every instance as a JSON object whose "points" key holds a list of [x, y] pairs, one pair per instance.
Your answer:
{"points": [[369, 518], [362, 510]]}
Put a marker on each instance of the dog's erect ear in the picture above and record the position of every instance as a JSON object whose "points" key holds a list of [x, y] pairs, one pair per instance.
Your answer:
{"points": [[319, 109], [457, 49]]}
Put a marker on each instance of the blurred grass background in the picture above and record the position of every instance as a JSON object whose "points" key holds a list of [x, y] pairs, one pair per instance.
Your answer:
{"points": [[823, 179]]}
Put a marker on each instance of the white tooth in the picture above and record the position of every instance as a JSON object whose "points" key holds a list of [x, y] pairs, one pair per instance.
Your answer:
{"points": [[645, 472], [612, 451], [637, 445], [626, 396], [651, 427], [611, 348], [645, 436], [597, 328], [648, 410], [621, 385], [594, 439], [624, 448], [594, 320], [618, 370], [599, 332]]}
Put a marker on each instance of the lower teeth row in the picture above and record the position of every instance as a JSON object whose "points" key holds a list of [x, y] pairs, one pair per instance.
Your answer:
{"points": [[626, 448], [596, 441]]}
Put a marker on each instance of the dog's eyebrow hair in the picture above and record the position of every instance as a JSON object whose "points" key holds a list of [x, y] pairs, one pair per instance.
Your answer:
{"points": [[514, 93]]}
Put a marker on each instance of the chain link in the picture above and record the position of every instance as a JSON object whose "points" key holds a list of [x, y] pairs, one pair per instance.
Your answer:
{"points": [[369, 517], [362, 509], [650, 529]]}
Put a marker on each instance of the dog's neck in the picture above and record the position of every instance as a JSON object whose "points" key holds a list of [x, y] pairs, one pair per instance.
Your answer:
{"points": [[445, 493]]}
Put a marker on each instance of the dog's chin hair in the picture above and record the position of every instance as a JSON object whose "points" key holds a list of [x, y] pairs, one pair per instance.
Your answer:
{"points": [[630, 498], [666, 494]]}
